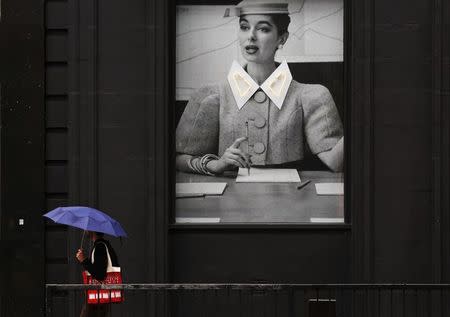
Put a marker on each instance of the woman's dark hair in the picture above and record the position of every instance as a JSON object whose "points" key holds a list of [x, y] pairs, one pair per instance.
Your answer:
{"points": [[281, 21], [100, 234]]}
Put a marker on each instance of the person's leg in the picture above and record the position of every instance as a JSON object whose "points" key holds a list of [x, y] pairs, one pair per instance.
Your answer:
{"points": [[83, 311], [103, 310], [92, 311]]}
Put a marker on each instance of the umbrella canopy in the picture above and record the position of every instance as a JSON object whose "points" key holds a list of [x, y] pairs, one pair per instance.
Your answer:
{"points": [[86, 218]]}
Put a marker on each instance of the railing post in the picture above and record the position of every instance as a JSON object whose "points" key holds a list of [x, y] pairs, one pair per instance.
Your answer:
{"points": [[48, 301], [291, 303]]}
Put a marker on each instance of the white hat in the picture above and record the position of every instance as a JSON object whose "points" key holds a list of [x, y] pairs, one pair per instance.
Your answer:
{"points": [[258, 7]]}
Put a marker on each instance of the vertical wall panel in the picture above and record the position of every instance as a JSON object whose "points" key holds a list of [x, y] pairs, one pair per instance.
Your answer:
{"points": [[56, 79], [56, 253], [22, 174], [56, 57], [115, 123], [56, 111], [56, 14], [56, 46], [445, 134], [360, 146], [56, 145], [56, 175], [397, 234], [402, 142]]}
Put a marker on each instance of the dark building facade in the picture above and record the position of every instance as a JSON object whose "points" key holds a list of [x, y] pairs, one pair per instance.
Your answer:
{"points": [[87, 108]]}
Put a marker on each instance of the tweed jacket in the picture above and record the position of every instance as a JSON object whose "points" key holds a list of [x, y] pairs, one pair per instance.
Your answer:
{"points": [[212, 121]]}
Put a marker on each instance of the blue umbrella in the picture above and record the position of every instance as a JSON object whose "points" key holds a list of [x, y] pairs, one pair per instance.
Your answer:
{"points": [[86, 218]]}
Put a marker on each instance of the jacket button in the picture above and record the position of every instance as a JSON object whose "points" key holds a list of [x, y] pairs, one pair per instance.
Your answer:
{"points": [[260, 96], [260, 122], [259, 148]]}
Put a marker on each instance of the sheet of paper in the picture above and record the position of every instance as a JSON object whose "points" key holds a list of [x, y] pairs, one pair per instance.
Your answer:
{"points": [[198, 189], [330, 188], [268, 175], [327, 220], [197, 220]]}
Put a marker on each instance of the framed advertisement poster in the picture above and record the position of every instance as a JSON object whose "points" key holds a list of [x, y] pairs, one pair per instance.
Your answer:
{"points": [[260, 112]]}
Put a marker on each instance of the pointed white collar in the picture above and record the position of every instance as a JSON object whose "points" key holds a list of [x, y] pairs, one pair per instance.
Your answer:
{"points": [[243, 86]]}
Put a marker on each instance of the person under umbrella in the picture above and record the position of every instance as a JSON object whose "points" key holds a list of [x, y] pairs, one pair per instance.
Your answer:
{"points": [[96, 264], [102, 265]]}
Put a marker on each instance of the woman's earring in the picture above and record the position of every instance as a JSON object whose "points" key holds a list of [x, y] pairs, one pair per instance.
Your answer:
{"points": [[280, 46]]}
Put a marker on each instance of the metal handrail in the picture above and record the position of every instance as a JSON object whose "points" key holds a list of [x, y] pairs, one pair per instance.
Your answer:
{"points": [[424, 298], [245, 286]]}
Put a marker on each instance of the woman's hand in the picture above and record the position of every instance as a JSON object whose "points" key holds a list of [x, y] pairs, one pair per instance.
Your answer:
{"points": [[80, 255], [233, 157]]}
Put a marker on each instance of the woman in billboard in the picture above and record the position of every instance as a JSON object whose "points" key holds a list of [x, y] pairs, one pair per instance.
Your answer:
{"points": [[259, 115]]}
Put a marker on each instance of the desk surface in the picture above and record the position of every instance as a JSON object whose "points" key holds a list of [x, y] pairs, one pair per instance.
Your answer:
{"points": [[263, 202]]}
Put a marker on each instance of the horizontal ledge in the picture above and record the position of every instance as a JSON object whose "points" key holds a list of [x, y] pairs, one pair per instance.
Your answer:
{"points": [[56, 96], [57, 31], [58, 195], [275, 287], [62, 63], [53, 227], [56, 260], [57, 163], [56, 129], [261, 226], [59, 28]]}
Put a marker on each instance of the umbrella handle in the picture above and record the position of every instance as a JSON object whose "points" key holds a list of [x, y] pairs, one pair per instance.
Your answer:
{"points": [[82, 239]]}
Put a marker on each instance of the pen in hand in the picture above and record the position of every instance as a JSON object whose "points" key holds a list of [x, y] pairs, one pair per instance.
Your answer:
{"points": [[246, 135], [303, 184]]}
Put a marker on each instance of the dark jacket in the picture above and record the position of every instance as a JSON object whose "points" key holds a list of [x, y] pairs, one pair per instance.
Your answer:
{"points": [[98, 268]]}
